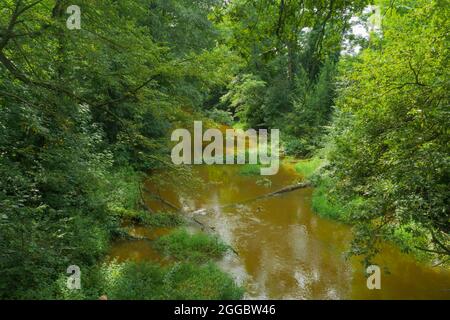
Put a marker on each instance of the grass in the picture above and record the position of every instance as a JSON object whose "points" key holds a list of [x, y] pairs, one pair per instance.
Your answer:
{"points": [[327, 207], [407, 237], [198, 248], [156, 220], [322, 201], [191, 276], [150, 281], [163, 220], [308, 167], [250, 170]]}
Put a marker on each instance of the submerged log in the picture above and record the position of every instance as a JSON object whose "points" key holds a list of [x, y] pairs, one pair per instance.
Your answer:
{"points": [[286, 189], [142, 203], [162, 200], [264, 196], [290, 188], [129, 237], [191, 214]]}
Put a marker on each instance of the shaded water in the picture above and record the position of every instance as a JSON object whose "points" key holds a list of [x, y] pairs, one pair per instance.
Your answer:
{"points": [[285, 250], [138, 250]]}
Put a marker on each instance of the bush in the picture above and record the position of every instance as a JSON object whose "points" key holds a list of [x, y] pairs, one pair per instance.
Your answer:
{"points": [[296, 147], [325, 201], [163, 220], [122, 189], [408, 238]]}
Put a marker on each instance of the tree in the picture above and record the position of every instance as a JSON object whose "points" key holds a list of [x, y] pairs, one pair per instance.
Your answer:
{"points": [[292, 46], [82, 111], [390, 144]]}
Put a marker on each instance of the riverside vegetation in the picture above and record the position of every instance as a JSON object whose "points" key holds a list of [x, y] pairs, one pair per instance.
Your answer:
{"points": [[86, 117]]}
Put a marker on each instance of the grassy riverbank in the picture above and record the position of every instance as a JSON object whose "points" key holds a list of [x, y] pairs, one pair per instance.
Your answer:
{"points": [[328, 203], [191, 272]]}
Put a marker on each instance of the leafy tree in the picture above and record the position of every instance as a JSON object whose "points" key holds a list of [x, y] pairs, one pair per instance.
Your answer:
{"points": [[82, 113], [245, 97], [389, 145], [291, 47]]}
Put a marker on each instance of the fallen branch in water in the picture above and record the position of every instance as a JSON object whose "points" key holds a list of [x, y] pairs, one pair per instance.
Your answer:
{"points": [[169, 204], [290, 188], [142, 200], [264, 196], [205, 210], [129, 237], [162, 200], [172, 206]]}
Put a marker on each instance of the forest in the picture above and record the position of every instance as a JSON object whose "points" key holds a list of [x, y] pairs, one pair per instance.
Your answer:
{"points": [[90, 92]]}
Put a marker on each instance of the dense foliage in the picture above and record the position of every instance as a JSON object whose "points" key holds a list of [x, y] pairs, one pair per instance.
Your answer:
{"points": [[388, 148], [85, 116], [82, 113], [289, 51]]}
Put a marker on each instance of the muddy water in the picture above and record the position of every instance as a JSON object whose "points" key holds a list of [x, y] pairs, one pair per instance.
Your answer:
{"points": [[138, 250], [285, 251]]}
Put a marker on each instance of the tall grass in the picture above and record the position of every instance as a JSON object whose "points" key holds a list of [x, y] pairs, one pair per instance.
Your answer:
{"points": [[308, 167], [327, 207], [250, 170], [199, 247], [150, 281]]}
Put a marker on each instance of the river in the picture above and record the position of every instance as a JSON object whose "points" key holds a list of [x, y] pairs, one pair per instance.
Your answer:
{"points": [[286, 251]]}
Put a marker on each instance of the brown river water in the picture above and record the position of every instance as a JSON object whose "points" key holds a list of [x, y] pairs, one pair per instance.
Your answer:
{"points": [[286, 251]]}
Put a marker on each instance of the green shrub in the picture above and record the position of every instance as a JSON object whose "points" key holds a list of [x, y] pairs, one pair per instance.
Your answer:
{"points": [[406, 237], [122, 189], [409, 238], [134, 281], [163, 220], [295, 147]]}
